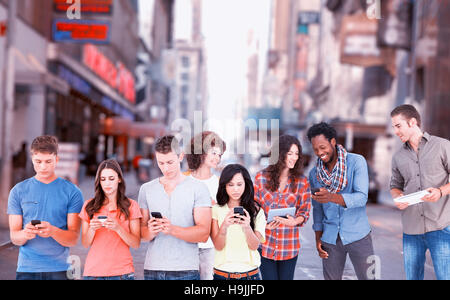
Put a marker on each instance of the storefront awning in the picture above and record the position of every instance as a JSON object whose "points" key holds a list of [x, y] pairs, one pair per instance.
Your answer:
{"points": [[359, 129], [121, 126]]}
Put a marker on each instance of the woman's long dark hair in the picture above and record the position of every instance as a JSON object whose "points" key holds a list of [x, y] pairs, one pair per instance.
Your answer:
{"points": [[247, 198], [123, 203], [284, 144]]}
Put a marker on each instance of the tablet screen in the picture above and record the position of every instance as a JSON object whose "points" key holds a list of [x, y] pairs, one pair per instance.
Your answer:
{"points": [[280, 212]]}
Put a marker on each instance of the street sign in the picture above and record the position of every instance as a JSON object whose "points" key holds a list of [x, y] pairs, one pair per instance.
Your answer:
{"points": [[359, 41], [308, 17], [103, 7], [81, 31]]}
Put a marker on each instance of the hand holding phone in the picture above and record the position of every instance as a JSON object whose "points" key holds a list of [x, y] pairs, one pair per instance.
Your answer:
{"points": [[315, 190]]}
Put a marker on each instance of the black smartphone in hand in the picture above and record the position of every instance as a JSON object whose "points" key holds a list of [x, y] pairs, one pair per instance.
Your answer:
{"points": [[35, 222], [156, 215], [239, 210], [315, 190]]}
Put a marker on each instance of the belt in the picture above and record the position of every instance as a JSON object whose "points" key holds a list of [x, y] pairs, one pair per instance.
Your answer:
{"points": [[236, 275]]}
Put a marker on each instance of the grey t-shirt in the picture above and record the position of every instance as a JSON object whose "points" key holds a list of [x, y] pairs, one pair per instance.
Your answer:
{"points": [[165, 252]]}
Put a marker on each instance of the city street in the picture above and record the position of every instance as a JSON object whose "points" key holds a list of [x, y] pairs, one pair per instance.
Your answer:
{"points": [[386, 235]]}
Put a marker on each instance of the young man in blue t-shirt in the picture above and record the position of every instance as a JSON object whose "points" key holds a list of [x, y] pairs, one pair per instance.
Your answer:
{"points": [[52, 201]]}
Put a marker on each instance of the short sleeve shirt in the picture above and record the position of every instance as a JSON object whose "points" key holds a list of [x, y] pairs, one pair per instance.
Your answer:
{"points": [[165, 252], [236, 256], [52, 202], [109, 255]]}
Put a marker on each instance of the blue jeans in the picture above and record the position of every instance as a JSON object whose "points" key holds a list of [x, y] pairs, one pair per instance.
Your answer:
{"points": [[171, 275], [277, 269], [42, 276], [414, 248], [129, 276]]}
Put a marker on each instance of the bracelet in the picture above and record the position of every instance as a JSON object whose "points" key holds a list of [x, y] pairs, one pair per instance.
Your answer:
{"points": [[440, 191]]}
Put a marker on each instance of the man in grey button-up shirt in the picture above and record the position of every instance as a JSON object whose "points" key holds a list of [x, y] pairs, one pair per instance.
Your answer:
{"points": [[422, 163]]}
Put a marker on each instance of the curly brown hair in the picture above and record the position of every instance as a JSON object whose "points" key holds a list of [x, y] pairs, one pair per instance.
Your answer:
{"points": [[284, 144], [199, 147]]}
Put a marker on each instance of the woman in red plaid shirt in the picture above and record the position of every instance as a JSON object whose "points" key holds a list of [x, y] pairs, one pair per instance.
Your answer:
{"points": [[283, 185]]}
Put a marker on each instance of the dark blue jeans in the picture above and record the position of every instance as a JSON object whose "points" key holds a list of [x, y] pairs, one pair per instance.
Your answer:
{"points": [[277, 269], [171, 275], [42, 276]]}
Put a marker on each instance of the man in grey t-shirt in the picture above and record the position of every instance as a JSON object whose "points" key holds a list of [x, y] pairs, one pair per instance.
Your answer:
{"points": [[185, 207], [422, 163]]}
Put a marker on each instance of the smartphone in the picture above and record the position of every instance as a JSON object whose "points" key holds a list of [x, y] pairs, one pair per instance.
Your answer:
{"points": [[315, 190], [239, 210], [102, 219], [156, 214], [35, 222]]}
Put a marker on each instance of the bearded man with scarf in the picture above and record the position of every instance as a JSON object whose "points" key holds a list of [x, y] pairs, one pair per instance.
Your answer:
{"points": [[339, 207]]}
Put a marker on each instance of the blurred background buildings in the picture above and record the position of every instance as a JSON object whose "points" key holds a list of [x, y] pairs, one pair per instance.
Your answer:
{"points": [[109, 83]]}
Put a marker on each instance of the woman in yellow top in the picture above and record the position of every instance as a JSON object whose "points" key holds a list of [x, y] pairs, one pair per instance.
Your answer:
{"points": [[237, 237]]}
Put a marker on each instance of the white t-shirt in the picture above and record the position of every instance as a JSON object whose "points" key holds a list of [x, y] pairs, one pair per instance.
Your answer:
{"points": [[213, 185]]}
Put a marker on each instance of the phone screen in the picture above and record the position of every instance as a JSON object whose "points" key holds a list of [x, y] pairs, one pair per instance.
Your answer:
{"points": [[239, 210], [157, 215]]}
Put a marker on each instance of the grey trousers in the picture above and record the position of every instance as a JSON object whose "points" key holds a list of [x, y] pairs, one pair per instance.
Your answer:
{"points": [[359, 253]]}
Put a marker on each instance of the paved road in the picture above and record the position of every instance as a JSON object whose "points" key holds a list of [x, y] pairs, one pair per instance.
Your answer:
{"points": [[387, 241], [386, 234]]}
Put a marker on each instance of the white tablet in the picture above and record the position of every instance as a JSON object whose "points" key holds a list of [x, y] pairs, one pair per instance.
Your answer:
{"points": [[280, 212], [413, 198]]}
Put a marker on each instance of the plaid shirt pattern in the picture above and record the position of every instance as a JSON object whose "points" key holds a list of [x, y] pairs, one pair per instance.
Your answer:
{"points": [[283, 242]]}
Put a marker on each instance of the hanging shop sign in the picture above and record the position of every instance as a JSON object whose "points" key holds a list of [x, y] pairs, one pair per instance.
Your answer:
{"points": [[308, 17], [103, 7], [359, 41], [394, 29], [115, 75], [81, 31]]}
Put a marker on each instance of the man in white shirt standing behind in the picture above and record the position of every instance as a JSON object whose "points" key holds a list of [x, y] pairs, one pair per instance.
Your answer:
{"points": [[203, 155]]}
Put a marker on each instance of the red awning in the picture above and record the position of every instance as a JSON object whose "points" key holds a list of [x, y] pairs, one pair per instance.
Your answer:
{"points": [[122, 126]]}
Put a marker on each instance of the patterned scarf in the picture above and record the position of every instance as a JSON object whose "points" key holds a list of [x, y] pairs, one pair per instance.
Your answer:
{"points": [[335, 181]]}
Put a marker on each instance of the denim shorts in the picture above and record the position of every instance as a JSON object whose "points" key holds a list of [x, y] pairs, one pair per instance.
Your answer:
{"points": [[171, 275], [129, 276]]}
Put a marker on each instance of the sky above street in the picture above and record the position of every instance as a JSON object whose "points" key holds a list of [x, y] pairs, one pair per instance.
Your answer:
{"points": [[226, 25]]}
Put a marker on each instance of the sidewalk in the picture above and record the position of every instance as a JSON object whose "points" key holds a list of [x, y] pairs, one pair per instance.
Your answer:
{"points": [[88, 191], [4, 238]]}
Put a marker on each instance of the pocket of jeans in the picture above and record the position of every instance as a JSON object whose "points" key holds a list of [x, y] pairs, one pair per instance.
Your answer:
{"points": [[127, 276]]}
